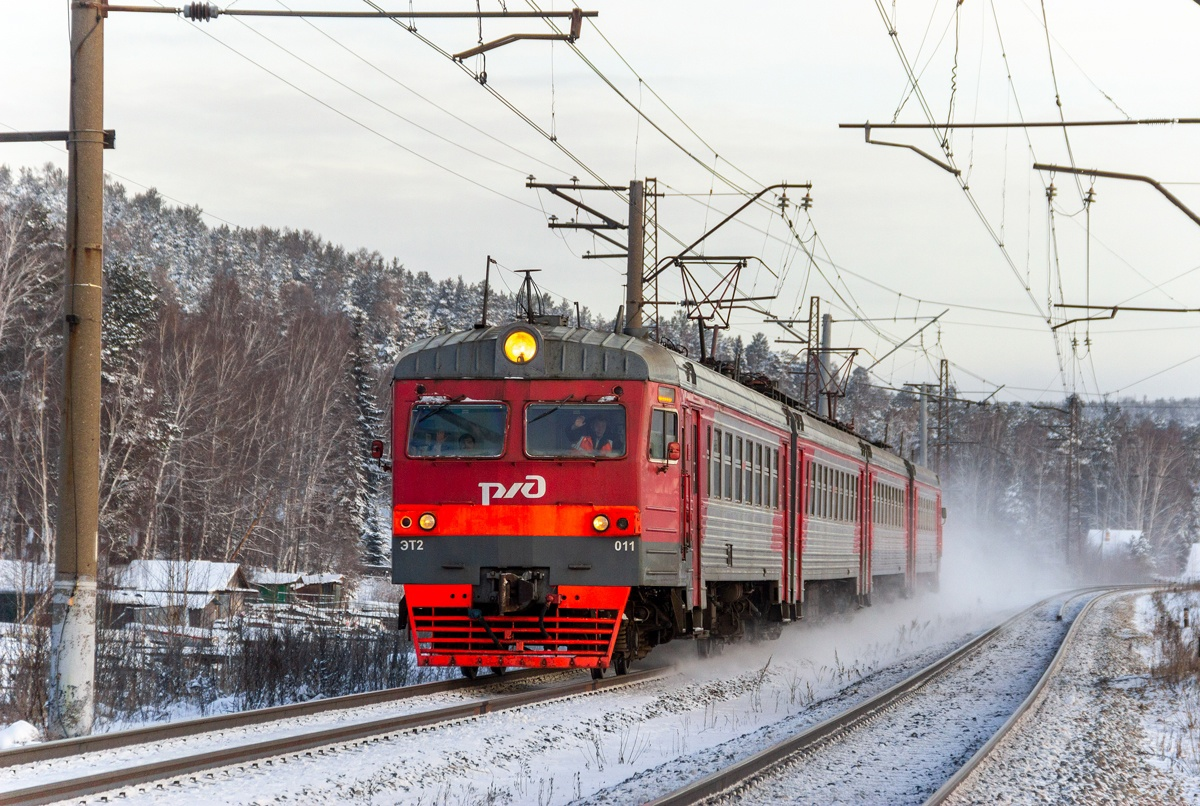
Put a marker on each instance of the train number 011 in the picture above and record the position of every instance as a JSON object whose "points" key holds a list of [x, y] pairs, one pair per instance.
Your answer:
{"points": [[624, 545]]}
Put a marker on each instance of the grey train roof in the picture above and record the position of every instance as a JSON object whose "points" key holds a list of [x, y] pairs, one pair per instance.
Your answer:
{"points": [[574, 353]]}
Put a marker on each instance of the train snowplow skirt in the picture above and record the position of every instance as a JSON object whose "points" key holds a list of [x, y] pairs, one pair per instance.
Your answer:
{"points": [[566, 637]]}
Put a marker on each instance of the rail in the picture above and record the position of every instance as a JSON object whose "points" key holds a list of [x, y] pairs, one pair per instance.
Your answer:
{"points": [[956, 780], [301, 743], [63, 748]]}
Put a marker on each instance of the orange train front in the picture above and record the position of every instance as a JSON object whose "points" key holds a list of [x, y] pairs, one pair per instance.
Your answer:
{"points": [[565, 497]]}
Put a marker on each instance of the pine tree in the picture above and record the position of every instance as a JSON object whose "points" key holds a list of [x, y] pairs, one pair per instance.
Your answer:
{"points": [[371, 486]]}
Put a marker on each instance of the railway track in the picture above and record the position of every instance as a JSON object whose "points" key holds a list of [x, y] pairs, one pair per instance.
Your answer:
{"points": [[308, 743], [752, 779], [947, 789], [64, 748]]}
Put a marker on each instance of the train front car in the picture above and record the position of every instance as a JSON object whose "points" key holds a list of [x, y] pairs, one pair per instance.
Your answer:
{"points": [[532, 466]]}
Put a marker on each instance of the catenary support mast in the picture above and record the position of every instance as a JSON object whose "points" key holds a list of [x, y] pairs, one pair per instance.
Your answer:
{"points": [[73, 631]]}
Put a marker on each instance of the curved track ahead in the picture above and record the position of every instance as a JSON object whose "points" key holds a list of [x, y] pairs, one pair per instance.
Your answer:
{"points": [[738, 779]]}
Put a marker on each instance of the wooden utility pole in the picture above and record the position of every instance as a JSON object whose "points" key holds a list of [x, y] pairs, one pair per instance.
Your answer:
{"points": [[73, 631]]}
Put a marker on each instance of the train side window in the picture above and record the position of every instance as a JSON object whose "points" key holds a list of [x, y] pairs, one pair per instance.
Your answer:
{"points": [[827, 509], [708, 477], [728, 472], [719, 462], [737, 470], [748, 474], [774, 478], [664, 429], [758, 475], [841, 495], [808, 503]]}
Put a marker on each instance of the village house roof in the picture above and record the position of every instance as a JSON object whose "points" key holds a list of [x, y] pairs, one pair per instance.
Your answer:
{"points": [[260, 576], [180, 576], [25, 577]]}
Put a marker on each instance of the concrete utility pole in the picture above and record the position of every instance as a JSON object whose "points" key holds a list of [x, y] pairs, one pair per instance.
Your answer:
{"points": [[73, 630], [826, 374], [923, 425], [633, 266]]}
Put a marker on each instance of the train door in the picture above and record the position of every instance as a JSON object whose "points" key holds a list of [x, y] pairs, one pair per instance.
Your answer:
{"points": [[910, 533], [799, 498], [865, 535], [690, 481]]}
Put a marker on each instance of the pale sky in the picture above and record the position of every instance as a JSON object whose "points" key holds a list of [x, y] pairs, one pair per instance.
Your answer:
{"points": [[227, 115]]}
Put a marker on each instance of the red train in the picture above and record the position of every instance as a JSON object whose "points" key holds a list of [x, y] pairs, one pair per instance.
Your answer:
{"points": [[565, 497]]}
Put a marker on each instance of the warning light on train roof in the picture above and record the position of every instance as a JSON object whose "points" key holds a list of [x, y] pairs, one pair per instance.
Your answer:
{"points": [[666, 394], [520, 347]]}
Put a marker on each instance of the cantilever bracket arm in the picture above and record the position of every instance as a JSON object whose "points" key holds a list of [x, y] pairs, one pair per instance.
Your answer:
{"points": [[665, 263], [1112, 314], [577, 16], [944, 166], [1038, 166]]}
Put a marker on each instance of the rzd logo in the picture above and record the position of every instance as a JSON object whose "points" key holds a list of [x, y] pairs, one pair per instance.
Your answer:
{"points": [[532, 487]]}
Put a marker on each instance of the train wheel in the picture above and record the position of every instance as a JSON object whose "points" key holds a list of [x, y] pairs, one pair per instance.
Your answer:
{"points": [[597, 673], [499, 671], [469, 672]]}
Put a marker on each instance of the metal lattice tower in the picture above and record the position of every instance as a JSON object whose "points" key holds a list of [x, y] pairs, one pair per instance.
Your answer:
{"points": [[812, 366], [650, 249], [942, 450]]}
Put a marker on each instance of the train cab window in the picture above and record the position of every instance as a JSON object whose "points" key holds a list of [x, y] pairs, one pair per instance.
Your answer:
{"points": [[457, 430], [664, 429], [595, 430]]}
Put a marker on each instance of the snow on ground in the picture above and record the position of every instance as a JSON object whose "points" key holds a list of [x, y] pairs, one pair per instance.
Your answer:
{"points": [[17, 734], [1170, 713], [588, 747], [559, 752], [1104, 732], [1090, 738]]}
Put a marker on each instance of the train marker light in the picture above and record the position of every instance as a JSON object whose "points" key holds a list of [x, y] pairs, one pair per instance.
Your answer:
{"points": [[520, 347], [622, 523], [600, 523], [427, 521], [406, 522]]}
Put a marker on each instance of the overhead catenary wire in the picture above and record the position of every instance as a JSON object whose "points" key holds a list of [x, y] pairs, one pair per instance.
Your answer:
{"points": [[944, 142], [429, 101], [350, 118]]}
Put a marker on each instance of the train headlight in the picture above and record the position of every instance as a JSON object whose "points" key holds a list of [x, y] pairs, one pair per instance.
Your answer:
{"points": [[520, 347], [600, 523], [427, 521]]}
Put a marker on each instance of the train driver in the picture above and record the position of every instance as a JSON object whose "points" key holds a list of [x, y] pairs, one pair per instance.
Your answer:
{"points": [[594, 441]]}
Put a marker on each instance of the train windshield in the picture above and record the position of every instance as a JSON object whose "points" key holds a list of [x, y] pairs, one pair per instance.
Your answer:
{"points": [[457, 430], [573, 430]]}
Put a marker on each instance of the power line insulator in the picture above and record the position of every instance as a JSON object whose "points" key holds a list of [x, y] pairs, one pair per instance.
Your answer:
{"points": [[201, 12]]}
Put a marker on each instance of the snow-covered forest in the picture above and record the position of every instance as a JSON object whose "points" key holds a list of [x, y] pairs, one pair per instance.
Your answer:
{"points": [[246, 371]]}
